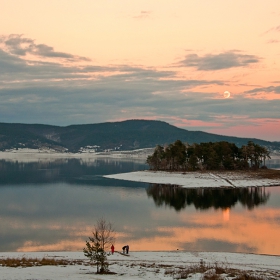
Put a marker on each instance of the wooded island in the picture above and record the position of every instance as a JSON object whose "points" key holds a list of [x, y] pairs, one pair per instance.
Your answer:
{"points": [[208, 156]]}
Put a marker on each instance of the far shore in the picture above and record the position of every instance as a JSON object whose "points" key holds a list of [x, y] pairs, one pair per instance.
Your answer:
{"points": [[23, 154]]}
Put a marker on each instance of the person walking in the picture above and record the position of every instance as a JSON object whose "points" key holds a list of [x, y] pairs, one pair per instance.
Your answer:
{"points": [[112, 249], [127, 249]]}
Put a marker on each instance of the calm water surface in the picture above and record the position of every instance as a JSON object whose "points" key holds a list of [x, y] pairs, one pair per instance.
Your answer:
{"points": [[53, 205]]}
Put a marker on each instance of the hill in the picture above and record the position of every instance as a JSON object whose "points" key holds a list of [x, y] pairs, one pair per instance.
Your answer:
{"points": [[125, 135]]}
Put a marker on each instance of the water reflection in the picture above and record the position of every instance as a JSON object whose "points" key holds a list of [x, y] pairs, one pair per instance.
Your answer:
{"points": [[72, 171], [179, 198], [52, 206], [273, 163]]}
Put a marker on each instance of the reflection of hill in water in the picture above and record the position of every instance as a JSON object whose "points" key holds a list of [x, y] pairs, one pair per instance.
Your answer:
{"points": [[179, 198], [72, 171]]}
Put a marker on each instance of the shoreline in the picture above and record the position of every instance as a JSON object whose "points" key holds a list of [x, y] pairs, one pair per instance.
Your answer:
{"points": [[37, 154], [48, 153], [142, 265], [205, 179]]}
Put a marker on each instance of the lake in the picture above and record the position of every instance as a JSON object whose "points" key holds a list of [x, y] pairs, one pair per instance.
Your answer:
{"points": [[52, 205]]}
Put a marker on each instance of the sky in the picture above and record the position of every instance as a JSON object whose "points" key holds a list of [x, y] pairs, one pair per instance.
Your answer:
{"points": [[66, 62]]}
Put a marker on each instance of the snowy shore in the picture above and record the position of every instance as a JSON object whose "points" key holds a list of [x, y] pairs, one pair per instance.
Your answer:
{"points": [[41, 154], [198, 179], [24, 153], [142, 265], [27, 155]]}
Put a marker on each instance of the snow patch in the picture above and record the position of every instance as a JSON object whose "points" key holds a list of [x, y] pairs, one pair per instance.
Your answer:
{"points": [[196, 179]]}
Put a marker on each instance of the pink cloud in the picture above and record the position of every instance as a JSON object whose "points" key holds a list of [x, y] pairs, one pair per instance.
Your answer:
{"points": [[266, 129]]}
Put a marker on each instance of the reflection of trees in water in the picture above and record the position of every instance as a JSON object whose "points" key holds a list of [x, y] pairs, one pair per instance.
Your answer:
{"points": [[179, 198]]}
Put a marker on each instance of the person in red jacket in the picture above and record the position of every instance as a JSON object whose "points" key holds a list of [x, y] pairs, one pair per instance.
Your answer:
{"points": [[112, 249]]}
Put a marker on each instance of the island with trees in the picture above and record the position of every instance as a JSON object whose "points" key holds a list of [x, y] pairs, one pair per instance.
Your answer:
{"points": [[207, 165], [208, 156]]}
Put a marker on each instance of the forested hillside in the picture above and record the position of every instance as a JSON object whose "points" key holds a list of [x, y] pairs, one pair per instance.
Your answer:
{"points": [[125, 135]]}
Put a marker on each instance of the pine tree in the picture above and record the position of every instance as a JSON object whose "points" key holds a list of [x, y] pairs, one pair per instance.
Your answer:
{"points": [[103, 235]]}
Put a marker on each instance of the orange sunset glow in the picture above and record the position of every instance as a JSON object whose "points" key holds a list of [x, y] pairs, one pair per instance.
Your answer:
{"points": [[226, 226], [200, 65], [226, 214]]}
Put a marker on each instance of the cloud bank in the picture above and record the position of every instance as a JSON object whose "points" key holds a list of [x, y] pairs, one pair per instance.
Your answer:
{"points": [[51, 91], [18, 45], [220, 61]]}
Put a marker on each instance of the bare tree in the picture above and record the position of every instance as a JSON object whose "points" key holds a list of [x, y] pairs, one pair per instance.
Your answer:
{"points": [[106, 233], [103, 235]]}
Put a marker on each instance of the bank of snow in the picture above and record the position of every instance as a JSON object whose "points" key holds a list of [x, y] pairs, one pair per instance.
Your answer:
{"points": [[197, 179], [142, 265]]}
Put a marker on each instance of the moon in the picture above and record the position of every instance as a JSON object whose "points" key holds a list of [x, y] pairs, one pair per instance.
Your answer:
{"points": [[226, 94]]}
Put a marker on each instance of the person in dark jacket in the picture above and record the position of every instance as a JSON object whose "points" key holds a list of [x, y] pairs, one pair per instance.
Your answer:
{"points": [[112, 249], [124, 248]]}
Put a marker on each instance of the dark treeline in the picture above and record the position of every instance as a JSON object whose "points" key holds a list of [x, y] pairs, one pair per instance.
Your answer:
{"points": [[207, 156], [203, 199]]}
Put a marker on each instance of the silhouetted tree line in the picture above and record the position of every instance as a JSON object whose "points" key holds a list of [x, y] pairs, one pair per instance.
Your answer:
{"points": [[207, 156], [203, 199]]}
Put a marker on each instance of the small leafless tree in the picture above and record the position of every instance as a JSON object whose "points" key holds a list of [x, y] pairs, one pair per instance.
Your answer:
{"points": [[103, 236], [106, 233]]}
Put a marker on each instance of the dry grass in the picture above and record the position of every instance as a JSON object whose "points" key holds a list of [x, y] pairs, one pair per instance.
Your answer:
{"points": [[268, 173], [28, 262], [217, 272], [246, 276], [256, 173], [206, 271]]}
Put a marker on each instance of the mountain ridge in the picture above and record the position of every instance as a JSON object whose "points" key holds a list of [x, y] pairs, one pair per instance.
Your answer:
{"points": [[122, 135]]}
